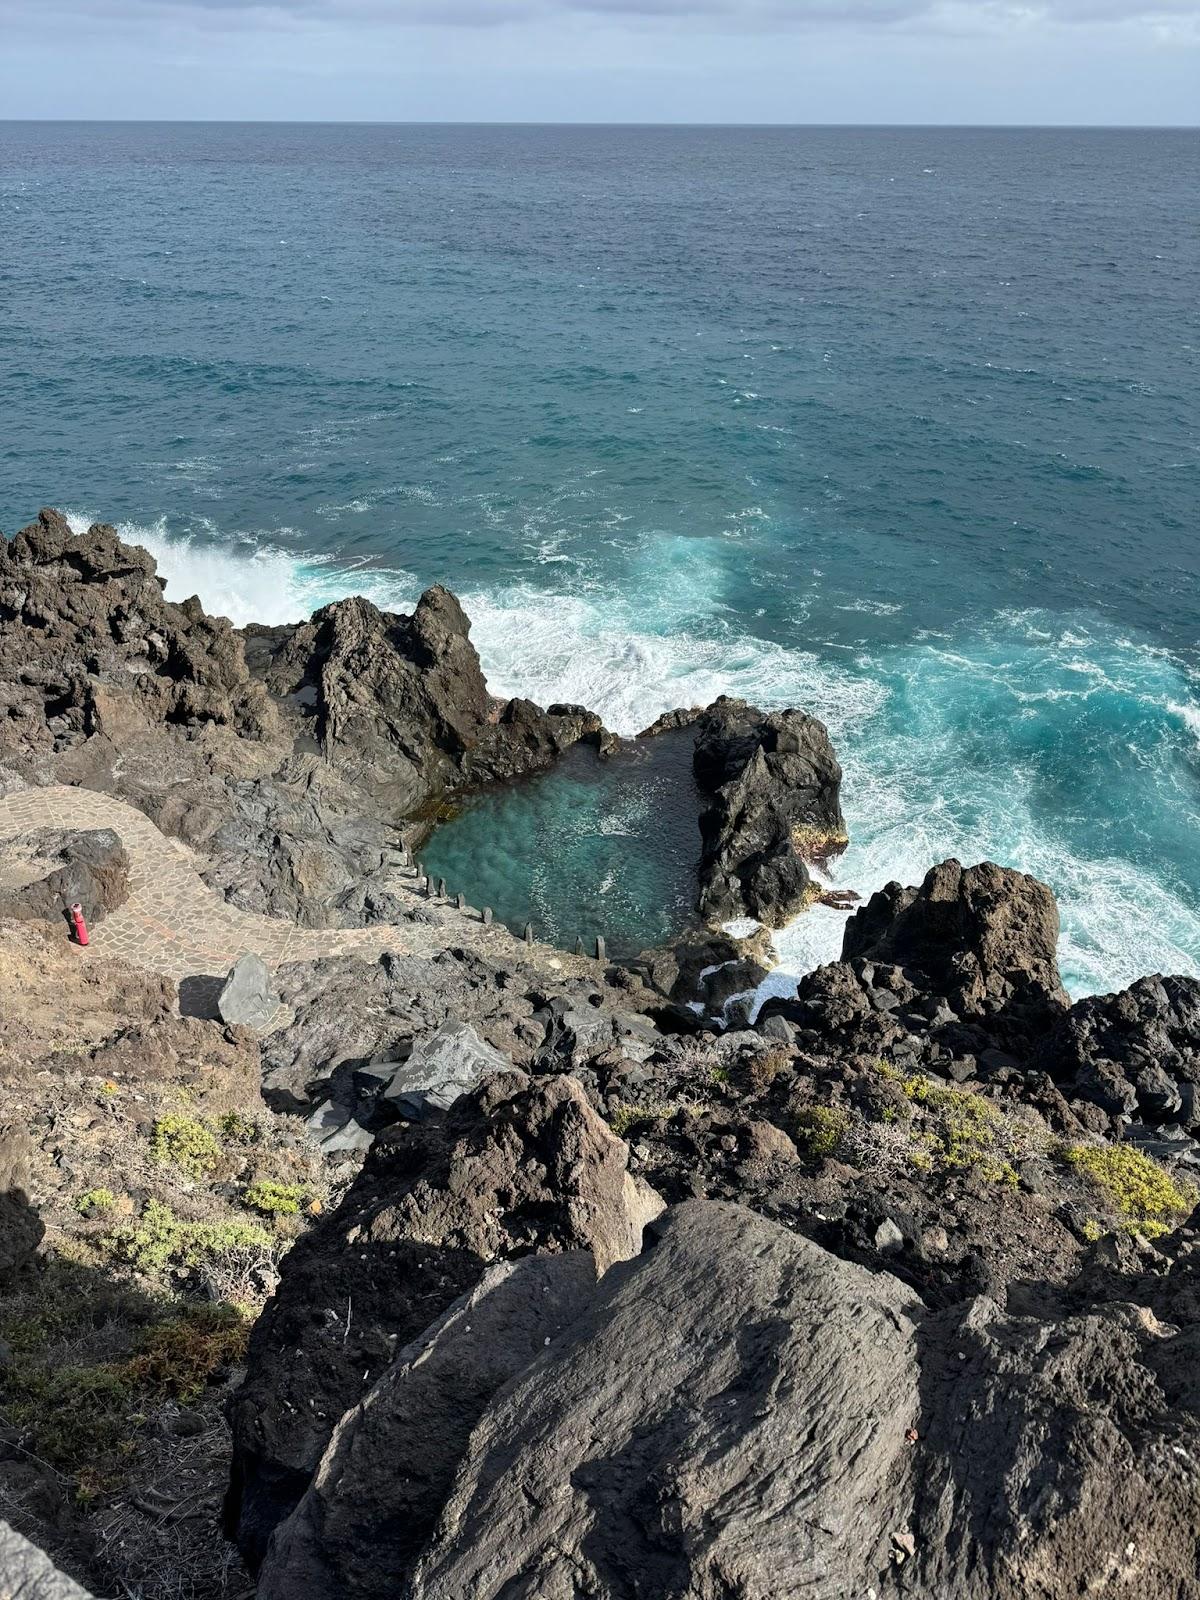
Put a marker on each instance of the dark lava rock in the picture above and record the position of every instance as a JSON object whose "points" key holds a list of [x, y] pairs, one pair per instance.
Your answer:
{"points": [[736, 1411], [1136, 1051], [402, 706], [983, 937], [772, 784], [88, 867], [90, 648], [359, 1529], [509, 1170]]}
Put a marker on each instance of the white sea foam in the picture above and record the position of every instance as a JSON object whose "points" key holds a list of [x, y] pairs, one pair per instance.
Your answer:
{"points": [[667, 639]]}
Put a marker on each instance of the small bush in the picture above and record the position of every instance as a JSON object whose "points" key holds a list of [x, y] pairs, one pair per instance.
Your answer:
{"points": [[820, 1130], [159, 1240], [763, 1069], [177, 1360], [1144, 1195], [95, 1201], [185, 1143], [236, 1128], [274, 1199], [956, 1129]]}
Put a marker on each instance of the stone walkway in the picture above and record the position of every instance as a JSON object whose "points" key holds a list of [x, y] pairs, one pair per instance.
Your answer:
{"points": [[175, 924]]}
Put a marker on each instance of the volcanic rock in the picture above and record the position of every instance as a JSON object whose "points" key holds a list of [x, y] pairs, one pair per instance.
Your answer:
{"points": [[84, 866], [772, 784], [247, 997], [510, 1169]]}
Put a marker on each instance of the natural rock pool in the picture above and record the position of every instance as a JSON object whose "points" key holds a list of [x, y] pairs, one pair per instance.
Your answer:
{"points": [[604, 847]]}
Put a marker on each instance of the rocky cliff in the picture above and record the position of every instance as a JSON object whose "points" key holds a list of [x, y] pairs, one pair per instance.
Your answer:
{"points": [[475, 1269]]}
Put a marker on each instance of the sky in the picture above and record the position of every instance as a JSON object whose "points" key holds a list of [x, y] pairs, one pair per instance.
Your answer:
{"points": [[877, 61]]}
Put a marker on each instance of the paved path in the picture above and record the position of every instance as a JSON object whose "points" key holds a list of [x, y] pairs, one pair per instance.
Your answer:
{"points": [[175, 924]]}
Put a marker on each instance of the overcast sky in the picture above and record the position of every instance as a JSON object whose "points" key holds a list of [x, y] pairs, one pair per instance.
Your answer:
{"points": [[1053, 61]]}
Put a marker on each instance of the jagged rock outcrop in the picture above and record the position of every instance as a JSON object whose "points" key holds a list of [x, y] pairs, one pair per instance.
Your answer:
{"points": [[510, 1170], [90, 649], [772, 782], [738, 1411], [48, 872], [401, 704], [1136, 1053], [960, 969], [986, 937]]}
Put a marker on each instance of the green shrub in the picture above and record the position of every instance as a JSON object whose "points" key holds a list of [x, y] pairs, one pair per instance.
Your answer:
{"points": [[820, 1130], [274, 1199], [185, 1143], [159, 1239], [95, 1201], [1144, 1195]]}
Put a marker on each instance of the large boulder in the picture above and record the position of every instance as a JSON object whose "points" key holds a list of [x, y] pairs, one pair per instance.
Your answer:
{"points": [[729, 1417], [248, 998], [772, 785], [509, 1170], [47, 872], [391, 1462], [441, 1068], [737, 1411]]}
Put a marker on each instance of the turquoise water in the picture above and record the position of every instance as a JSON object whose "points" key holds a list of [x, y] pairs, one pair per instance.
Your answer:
{"points": [[899, 425], [595, 848]]}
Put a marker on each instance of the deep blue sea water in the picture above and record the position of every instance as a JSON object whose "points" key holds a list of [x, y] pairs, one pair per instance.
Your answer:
{"points": [[900, 426]]}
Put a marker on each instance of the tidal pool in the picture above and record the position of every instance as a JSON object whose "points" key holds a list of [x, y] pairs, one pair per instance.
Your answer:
{"points": [[593, 847]]}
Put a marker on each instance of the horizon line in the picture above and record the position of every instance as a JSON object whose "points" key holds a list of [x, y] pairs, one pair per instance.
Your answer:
{"points": [[546, 122]]}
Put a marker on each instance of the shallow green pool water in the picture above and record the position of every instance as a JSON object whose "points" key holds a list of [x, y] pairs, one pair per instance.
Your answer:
{"points": [[594, 847]]}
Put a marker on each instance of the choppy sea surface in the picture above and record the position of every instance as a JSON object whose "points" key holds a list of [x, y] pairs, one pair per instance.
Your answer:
{"points": [[897, 425]]}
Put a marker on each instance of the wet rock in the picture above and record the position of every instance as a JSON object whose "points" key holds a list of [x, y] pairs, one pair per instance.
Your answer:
{"points": [[772, 787]]}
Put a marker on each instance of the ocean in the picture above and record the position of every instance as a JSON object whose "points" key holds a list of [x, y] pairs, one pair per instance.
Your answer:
{"points": [[899, 425]]}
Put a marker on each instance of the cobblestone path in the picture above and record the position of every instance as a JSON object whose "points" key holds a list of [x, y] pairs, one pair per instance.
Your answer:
{"points": [[175, 924]]}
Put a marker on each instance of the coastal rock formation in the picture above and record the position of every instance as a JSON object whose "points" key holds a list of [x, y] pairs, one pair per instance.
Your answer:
{"points": [[401, 704], [290, 755], [358, 1529], [961, 968], [89, 649], [1136, 1053], [986, 937], [772, 782], [737, 1410], [509, 1170]]}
